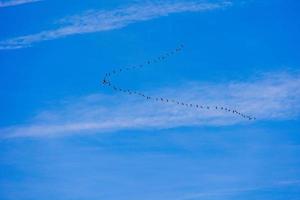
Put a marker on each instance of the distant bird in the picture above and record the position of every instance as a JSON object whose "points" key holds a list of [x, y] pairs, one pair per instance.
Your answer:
{"points": [[104, 81]]}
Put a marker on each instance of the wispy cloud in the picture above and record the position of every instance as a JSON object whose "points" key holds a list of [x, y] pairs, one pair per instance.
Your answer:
{"points": [[231, 192], [97, 21], [16, 2], [270, 97]]}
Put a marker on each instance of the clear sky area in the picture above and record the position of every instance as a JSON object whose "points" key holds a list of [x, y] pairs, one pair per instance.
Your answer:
{"points": [[66, 136]]}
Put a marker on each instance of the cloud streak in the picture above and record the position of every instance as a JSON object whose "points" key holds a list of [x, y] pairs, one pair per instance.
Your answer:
{"points": [[274, 96], [239, 191], [16, 2], [102, 20]]}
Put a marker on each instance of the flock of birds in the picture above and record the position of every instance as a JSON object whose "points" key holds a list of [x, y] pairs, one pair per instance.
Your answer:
{"points": [[107, 82]]}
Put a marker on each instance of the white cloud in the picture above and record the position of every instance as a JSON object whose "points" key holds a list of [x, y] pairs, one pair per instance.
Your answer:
{"points": [[239, 191], [16, 2], [270, 97], [97, 21]]}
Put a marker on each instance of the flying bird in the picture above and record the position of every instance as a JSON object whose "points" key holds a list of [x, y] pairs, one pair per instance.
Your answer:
{"points": [[106, 81]]}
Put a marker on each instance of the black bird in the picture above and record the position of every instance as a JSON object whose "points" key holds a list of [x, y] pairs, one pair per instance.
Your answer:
{"points": [[104, 81]]}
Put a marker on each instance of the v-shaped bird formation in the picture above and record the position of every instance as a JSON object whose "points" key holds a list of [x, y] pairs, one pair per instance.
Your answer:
{"points": [[107, 82]]}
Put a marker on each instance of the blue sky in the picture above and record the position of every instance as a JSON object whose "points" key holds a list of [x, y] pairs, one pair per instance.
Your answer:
{"points": [[65, 136]]}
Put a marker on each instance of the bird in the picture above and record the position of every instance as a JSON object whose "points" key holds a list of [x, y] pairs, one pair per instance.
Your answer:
{"points": [[162, 57], [104, 81]]}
